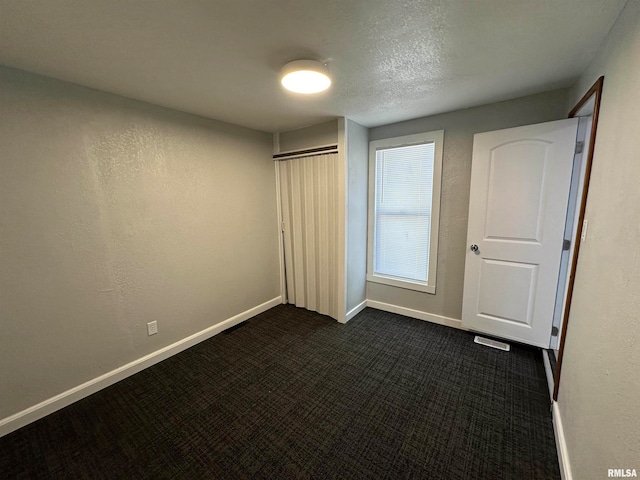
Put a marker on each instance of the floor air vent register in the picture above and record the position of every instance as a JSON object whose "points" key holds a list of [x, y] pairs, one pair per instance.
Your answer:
{"points": [[492, 343]]}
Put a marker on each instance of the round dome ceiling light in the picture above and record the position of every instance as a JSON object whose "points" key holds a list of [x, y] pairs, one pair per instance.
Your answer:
{"points": [[305, 76]]}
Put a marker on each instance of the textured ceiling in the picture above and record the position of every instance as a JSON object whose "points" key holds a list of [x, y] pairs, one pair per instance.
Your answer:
{"points": [[390, 60]]}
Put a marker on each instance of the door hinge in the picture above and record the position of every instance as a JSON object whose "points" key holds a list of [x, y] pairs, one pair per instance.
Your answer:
{"points": [[554, 331], [282, 226], [579, 147], [566, 244]]}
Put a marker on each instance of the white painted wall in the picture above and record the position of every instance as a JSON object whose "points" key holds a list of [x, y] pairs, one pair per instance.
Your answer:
{"points": [[114, 213], [600, 384], [459, 127]]}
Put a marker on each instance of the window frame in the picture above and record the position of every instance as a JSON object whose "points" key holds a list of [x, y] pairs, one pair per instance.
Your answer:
{"points": [[436, 137]]}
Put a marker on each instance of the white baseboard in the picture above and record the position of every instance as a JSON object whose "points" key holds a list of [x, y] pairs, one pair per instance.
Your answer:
{"points": [[354, 311], [419, 314], [547, 371], [42, 409], [561, 444]]}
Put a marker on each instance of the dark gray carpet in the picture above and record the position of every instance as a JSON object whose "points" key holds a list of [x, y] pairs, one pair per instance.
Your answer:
{"points": [[294, 395], [552, 360]]}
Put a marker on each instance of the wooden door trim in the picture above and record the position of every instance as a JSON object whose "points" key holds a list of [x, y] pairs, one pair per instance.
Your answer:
{"points": [[596, 89]]}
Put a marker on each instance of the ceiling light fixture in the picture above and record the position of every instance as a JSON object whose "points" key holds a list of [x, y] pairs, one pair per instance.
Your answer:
{"points": [[305, 76]]}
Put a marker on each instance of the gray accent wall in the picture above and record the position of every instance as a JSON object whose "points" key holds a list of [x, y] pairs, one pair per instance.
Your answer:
{"points": [[600, 383], [357, 215], [459, 128], [115, 213], [308, 137]]}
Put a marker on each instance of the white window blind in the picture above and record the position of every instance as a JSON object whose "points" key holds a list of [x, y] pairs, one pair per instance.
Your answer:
{"points": [[403, 208]]}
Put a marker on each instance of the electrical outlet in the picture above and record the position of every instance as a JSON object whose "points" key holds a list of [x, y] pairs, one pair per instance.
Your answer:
{"points": [[152, 328]]}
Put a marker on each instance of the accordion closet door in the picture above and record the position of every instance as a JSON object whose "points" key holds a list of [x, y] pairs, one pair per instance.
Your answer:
{"points": [[311, 236]]}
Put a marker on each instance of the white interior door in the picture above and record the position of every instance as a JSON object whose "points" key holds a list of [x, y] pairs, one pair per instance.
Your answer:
{"points": [[520, 180]]}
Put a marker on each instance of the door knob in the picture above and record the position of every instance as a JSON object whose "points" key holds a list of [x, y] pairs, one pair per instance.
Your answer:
{"points": [[474, 248]]}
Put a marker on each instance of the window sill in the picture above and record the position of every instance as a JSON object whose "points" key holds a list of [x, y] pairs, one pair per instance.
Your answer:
{"points": [[406, 284]]}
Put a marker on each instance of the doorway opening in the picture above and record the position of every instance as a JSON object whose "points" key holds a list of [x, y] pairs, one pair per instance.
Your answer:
{"points": [[587, 110], [571, 226]]}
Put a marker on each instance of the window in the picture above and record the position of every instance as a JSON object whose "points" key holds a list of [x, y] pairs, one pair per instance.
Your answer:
{"points": [[404, 209]]}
